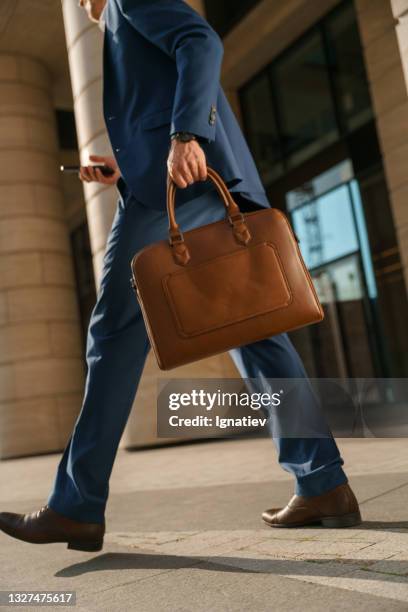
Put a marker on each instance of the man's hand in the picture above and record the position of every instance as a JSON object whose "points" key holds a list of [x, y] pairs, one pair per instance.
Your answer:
{"points": [[186, 163], [88, 174]]}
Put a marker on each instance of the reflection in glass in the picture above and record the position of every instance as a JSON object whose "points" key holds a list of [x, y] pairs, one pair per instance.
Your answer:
{"points": [[347, 68], [364, 242], [345, 338], [305, 105], [326, 228], [318, 185], [257, 107], [334, 242], [345, 281]]}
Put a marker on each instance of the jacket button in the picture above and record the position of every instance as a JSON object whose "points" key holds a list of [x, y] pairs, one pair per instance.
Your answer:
{"points": [[213, 114]]}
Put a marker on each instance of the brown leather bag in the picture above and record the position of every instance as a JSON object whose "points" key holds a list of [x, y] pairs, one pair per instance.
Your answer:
{"points": [[222, 285]]}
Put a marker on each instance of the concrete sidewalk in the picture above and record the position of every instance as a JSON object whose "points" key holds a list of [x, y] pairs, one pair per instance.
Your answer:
{"points": [[184, 533]]}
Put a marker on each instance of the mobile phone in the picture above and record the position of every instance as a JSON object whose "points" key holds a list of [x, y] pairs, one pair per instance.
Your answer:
{"points": [[106, 171]]}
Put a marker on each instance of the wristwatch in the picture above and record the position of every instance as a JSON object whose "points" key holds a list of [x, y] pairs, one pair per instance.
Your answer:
{"points": [[183, 136]]}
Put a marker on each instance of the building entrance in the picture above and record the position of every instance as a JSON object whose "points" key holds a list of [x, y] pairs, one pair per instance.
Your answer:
{"points": [[328, 217]]}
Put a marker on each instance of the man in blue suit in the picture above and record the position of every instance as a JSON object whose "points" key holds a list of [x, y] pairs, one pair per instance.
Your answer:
{"points": [[165, 111]]}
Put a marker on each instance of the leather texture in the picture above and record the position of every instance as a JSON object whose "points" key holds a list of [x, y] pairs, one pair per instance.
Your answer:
{"points": [[336, 508], [47, 526], [222, 285]]}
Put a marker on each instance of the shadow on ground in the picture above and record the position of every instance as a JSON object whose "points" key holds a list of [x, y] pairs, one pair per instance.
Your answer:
{"points": [[306, 566], [393, 526]]}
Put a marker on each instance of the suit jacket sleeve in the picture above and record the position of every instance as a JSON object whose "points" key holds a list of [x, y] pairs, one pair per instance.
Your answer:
{"points": [[179, 31]]}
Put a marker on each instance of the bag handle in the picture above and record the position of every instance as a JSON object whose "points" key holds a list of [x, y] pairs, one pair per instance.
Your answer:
{"points": [[233, 215]]}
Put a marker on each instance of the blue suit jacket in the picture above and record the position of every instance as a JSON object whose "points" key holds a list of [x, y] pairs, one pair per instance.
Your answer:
{"points": [[162, 64]]}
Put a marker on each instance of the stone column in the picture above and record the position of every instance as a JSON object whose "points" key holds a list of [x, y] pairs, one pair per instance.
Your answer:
{"points": [[85, 47], [384, 31], [41, 367]]}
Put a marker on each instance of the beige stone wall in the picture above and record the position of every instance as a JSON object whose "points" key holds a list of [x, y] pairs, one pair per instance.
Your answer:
{"points": [[384, 32], [41, 369]]}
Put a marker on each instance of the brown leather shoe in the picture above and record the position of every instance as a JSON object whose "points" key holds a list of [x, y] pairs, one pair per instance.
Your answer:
{"points": [[47, 526], [337, 508]]}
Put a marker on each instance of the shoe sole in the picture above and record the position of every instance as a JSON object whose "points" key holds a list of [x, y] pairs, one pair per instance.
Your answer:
{"points": [[86, 546], [330, 522]]}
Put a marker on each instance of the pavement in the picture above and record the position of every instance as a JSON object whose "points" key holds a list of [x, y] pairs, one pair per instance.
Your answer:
{"points": [[184, 533]]}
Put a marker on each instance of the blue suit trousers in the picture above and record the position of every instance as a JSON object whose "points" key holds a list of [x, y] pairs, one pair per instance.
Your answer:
{"points": [[117, 346]]}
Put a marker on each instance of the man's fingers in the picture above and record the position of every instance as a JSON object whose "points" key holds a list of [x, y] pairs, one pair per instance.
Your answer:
{"points": [[180, 182], [83, 174], [105, 180], [194, 170], [99, 176], [186, 173], [178, 179], [91, 172], [97, 159], [202, 169], [181, 175], [187, 163]]}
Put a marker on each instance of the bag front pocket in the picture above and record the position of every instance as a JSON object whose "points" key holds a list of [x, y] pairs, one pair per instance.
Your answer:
{"points": [[227, 289]]}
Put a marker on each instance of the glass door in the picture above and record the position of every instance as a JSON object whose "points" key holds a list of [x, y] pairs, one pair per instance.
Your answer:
{"points": [[328, 219]]}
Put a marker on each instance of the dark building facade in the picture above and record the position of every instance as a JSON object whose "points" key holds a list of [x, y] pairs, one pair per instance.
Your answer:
{"points": [[309, 119]]}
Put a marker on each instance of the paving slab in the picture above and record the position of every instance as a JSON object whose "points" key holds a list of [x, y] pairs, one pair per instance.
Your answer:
{"points": [[184, 533]]}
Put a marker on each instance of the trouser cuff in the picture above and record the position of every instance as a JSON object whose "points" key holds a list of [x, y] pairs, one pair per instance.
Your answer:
{"points": [[83, 515], [323, 482]]}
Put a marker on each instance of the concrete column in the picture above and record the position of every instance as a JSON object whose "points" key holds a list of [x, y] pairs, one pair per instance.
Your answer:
{"points": [[41, 367], [85, 47], [384, 31]]}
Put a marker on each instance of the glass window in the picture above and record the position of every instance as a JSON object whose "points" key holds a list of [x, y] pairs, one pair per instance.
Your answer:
{"points": [[347, 68], [305, 106], [308, 98], [318, 185], [343, 340], [345, 280], [260, 122], [347, 241], [392, 296], [326, 227]]}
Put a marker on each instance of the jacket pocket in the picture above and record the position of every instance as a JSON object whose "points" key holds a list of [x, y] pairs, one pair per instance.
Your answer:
{"points": [[157, 119]]}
